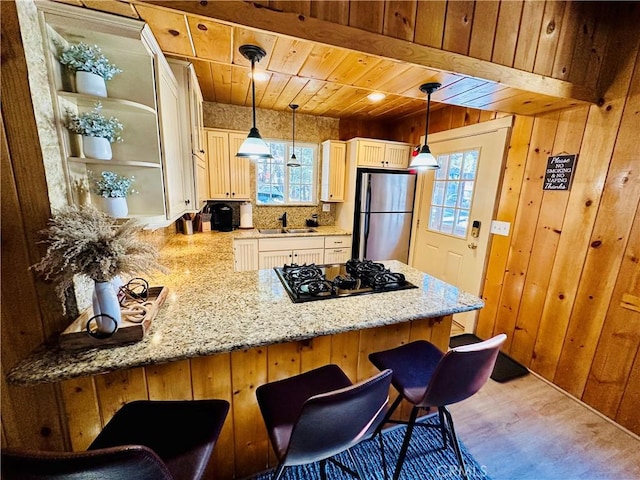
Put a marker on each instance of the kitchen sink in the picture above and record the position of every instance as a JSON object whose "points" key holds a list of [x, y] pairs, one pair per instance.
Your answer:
{"points": [[275, 231], [300, 230], [272, 231]]}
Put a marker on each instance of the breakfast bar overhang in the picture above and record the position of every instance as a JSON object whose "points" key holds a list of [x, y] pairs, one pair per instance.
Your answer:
{"points": [[221, 334]]}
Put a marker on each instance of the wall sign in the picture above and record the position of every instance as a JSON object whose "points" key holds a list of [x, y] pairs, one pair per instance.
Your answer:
{"points": [[559, 172]]}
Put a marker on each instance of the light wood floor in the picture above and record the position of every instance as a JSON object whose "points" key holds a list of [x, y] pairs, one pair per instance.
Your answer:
{"points": [[527, 429]]}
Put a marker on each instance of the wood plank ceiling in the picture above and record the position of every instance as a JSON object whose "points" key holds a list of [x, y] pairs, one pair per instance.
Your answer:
{"points": [[322, 79]]}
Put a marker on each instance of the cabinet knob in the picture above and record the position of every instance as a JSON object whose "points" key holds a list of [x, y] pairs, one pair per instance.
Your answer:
{"points": [[201, 151], [233, 194], [227, 194], [187, 202]]}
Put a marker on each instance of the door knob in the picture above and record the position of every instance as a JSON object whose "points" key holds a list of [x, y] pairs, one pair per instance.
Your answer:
{"points": [[472, 246]]}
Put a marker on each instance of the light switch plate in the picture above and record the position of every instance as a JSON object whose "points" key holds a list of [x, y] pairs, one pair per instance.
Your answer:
{"points": [[326, 207], [500, 228]]}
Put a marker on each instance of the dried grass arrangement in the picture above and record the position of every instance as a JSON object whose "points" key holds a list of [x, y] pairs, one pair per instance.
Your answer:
{"points": [[85, 241]]}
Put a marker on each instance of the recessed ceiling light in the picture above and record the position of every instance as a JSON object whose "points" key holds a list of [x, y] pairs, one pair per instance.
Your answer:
{"points": [[376, 96]]}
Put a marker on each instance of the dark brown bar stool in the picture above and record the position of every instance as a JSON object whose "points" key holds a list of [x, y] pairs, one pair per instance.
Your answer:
{"points": [[427, 377], [145, 440], [315, 415]]}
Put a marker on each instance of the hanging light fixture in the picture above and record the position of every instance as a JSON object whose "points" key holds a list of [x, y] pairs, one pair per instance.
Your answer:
{"points": [[425, 160], [253, 147], [293, 161]]}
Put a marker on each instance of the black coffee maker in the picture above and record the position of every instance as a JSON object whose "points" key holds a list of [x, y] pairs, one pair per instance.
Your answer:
{"points": [[222, 217]]}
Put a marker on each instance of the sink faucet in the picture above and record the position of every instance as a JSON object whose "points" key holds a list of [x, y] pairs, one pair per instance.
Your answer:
{"points": [[283, 219]]}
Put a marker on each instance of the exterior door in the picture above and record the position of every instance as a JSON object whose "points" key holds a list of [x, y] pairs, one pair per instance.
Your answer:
{"points": [[456, 205]]}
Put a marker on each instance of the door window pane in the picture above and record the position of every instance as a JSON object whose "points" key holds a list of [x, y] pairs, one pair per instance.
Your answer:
{"points": [[453, 188]]}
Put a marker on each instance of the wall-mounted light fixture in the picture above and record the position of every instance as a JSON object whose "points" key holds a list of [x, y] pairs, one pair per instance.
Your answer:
{"points": [[253, 147], [293, 161], [425, 160]]}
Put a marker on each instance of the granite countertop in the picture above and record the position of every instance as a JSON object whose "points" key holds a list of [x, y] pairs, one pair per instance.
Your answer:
{"points": [[212, 309]]}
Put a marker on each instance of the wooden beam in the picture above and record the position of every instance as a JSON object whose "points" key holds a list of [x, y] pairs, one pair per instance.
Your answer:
{"points": [[256, 16]]}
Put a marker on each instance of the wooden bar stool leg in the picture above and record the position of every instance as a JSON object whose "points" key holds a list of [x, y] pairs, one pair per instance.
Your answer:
{"points": [[405, 443]]}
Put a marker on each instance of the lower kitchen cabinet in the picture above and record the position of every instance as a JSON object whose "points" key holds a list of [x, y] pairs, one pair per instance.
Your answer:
{"points": [[245, 254], [279, 258], [337, 249]]}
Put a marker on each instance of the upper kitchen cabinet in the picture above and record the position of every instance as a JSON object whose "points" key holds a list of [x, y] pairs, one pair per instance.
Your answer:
{"points": [[334, 165], [146, 98], [379, 153], [229, 176]]}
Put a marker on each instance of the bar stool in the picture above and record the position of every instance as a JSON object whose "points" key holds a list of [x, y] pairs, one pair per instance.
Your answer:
{"points": [[427, 377], [145, 440], [315, 415]]}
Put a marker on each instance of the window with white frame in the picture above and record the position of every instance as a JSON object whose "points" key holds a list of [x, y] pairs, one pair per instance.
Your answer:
{"points": [[453, 188], [277, 184]]}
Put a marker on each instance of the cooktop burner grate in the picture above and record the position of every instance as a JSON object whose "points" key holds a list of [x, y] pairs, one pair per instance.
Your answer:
{"points": [[306, 283]]}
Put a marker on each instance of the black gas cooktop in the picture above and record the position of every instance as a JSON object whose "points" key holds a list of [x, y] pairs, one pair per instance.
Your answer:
{"points": [[307, 283]]}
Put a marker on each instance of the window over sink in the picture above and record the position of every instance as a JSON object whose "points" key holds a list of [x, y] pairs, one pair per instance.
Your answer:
{"points": [[277, 184]]}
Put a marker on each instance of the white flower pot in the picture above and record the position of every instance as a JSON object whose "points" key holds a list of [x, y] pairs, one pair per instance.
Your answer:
{"points": [[91, 84], [116, 207], [107, 307], [96, 147]]}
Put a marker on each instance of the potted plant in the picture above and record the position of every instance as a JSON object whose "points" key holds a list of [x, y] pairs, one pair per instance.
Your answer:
{"points": [[98, 132], [85, 241], [113, 189], [91, 67]]}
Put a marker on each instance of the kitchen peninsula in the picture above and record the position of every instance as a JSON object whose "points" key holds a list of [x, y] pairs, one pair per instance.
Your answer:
{"points": [[222, 333]]}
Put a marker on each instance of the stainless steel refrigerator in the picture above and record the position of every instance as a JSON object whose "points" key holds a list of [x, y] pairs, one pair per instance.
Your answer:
{"points": [[383, 214]]}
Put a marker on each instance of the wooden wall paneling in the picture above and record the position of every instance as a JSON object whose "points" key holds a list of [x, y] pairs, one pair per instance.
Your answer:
{"points": [[571, 22], [506, 212], [303, 7], [507, 29], [584, 198], [169, 28], [400, 19], [601, 39], [529, 35], [619, 341], [430, 19], [440, 120], [590, 38], [610, 235], [335, 11], [112, 6], [118, 388], [315, 353], [457, 28], [598, 143], [628, 412], [169, 380], [524, 226], [568, 138], [345, 352], [82, 410], [31, 416], [211, 40], [549, 37], [483, 32], [367, 15], [211, 379], [471, 116], [248, 371]]}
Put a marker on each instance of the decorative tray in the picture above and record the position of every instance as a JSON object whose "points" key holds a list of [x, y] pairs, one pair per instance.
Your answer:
{"points": [[131, 330]]}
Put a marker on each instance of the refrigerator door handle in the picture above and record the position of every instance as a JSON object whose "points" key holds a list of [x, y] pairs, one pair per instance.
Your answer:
{"points": [[365, 235]]}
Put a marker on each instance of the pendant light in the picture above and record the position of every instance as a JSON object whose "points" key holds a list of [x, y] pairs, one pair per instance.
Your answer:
{"points": [[253, 147], [293, 161], [425, 160]]}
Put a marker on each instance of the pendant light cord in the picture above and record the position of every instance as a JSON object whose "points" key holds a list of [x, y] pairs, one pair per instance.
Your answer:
{"points": [[426, 129], [294, 132], [253, 91]]}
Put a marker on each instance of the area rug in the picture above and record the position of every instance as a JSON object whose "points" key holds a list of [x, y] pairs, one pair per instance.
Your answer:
{"points": [[426, 459], [506, 368]]}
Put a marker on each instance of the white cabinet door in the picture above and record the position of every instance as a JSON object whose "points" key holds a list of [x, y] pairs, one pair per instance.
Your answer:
{"points": [[397, 156], [176, 166], [195, 110], [218, 159], [245, 255], [370, 153], [202, 181], [312, 255], [276, 258], [337, 255], [239, 173], [334, 164]]}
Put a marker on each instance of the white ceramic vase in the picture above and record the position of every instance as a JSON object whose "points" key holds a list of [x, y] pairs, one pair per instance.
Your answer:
{"points": [[91, 84], [105, 302], [115, 206], [96, 147]]}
